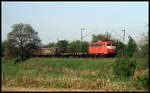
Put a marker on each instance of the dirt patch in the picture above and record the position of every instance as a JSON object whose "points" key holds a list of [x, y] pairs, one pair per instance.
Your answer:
{"points": [[139, 73], [43, 89], [19, 89]]}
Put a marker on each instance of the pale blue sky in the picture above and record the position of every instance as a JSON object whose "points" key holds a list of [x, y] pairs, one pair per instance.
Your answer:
{"points": [[64, 20]]}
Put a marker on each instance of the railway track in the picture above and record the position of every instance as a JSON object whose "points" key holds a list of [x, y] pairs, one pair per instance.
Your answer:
{"points": [[76, 55]]}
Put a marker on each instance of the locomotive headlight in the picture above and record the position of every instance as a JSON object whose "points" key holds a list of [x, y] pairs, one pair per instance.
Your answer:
{"points": [[108, 47], [111, 47]]}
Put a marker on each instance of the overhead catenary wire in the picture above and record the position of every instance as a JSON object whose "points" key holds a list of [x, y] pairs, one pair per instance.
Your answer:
{"points": [[91, 32], [115, 33]]}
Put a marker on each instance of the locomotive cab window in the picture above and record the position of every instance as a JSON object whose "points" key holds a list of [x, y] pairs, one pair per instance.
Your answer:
{"points": [[100, 44], [108, 44], [93, 45], [113, 44]]}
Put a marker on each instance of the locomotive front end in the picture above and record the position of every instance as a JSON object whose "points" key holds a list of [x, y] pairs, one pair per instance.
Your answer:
{"points": [[111, 49]]}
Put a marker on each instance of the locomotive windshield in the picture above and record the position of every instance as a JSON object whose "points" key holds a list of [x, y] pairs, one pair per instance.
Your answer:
{"points": [[100, 44], [108, 44], [96, 45], [113, 44], [93, 45]]}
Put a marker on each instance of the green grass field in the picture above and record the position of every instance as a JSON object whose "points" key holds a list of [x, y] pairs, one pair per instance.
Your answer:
{"points": [[72, 73]]}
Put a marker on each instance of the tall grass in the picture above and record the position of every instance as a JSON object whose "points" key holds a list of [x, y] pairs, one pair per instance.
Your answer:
{"points": [[71, 63], [74, 73]]}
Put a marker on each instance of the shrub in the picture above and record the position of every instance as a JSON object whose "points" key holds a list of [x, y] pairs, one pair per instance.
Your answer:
{"points": [[142, 81], [16, 60], [11, 60], [124, 67]]}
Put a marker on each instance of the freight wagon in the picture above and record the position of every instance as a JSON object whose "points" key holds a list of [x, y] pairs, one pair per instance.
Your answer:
{"points": [[99, 48]]}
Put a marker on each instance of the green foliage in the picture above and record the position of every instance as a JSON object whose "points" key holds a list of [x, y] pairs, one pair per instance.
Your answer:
{"points": [[124, 67], [14, 69], [50, 45], [85, 46], [21, 39], [71, 63], [142, 81], [142, 63], [120, 46], [62, 85], [126, 49], [69, 73], [144, 45], [131, 47], [11, 60], [3, 47], [145, 50], [11, 51], [106, 37], [16, 60], [62, 43], [74, 46]]}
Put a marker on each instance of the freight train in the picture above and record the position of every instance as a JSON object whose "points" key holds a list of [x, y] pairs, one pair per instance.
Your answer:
{"points": [[96, 49]]}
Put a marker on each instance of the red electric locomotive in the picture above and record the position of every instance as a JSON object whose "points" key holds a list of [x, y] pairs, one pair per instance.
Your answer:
{"points": [[100, 47], [96, 49]]}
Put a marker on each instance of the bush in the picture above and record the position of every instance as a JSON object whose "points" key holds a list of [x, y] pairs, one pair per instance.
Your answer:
{"points": [[16, 60], [142, 81], [124, 67], [11, 60]]}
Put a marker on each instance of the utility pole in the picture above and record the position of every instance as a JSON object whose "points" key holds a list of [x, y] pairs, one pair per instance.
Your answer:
{"points": [[123, 42], [107, 35], [81, 39]]}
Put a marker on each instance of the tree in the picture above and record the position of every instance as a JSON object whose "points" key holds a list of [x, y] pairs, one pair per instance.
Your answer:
{"points": [[85, 46], [120, 46], [131, 47], [11, 51], [144, 45], [105, 37], [74, 46], [22, 38], [3, 47], [62, 43], [49, 45]]}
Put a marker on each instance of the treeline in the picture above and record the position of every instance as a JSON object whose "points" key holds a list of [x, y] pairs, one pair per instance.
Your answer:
{"points": [[23, 38], [132, 48], [74, 46]]}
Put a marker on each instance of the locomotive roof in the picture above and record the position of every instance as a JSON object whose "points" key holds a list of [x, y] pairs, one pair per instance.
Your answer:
{"points": [[99, 41], [52, 47]]}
